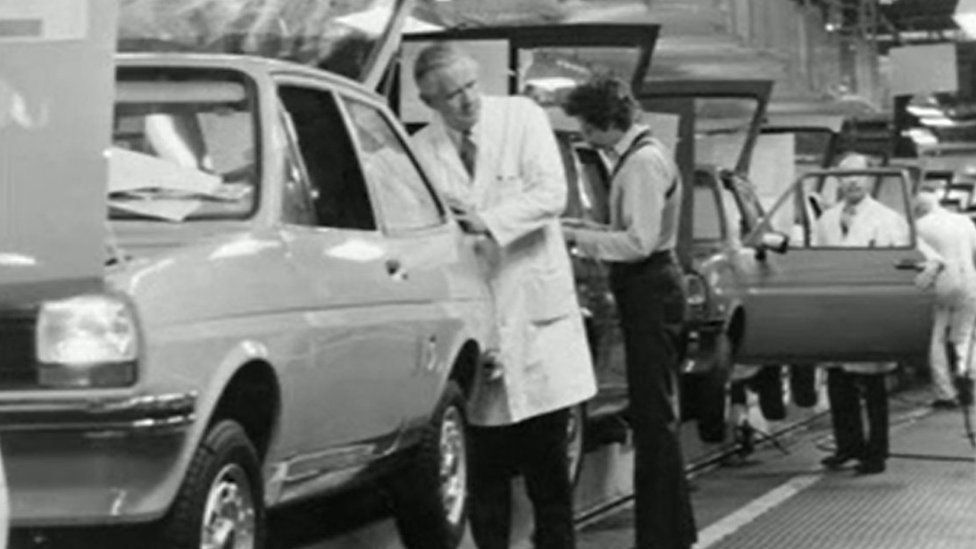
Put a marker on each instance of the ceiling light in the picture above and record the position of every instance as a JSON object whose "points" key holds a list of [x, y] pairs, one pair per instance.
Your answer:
{"points": [[965, 17]]}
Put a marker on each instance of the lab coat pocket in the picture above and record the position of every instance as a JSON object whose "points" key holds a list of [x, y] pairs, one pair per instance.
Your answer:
{"points": [[507, 185], [549, 297]]}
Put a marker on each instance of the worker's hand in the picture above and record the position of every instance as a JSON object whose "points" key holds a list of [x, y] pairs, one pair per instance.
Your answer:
{"points": [[580, 223], [472, 223], [925, 279]]}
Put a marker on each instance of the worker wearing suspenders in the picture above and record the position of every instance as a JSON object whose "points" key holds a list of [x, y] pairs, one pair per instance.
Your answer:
{"points": [[646, 280]]}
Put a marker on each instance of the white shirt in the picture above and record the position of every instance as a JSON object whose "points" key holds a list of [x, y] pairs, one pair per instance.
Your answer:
{"points": [[953, 236], [643, 219], [873, 225]]}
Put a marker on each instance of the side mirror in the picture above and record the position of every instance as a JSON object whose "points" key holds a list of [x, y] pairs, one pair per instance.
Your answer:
{"points": [[772, 241]]}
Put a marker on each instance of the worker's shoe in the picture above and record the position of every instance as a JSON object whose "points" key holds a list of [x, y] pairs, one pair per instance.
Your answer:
{"points": [[944, 404], [836, 461], [870, 467]]}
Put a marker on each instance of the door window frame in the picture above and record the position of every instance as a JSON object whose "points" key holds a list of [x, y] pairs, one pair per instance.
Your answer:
{"points": [[903, 176], [280, 80], [344, 96]]}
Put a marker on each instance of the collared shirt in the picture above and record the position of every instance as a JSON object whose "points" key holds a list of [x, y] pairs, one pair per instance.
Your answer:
{"points": [[456, 136], [643, 219], [953, 237], [872, 225]]}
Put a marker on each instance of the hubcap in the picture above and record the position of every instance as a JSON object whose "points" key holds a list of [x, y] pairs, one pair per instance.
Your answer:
{"points": [[229, 513], [453, 469]]}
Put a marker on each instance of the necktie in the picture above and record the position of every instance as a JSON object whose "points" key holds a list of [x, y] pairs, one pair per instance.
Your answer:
{"points": [[468, 151], [846, 218]]}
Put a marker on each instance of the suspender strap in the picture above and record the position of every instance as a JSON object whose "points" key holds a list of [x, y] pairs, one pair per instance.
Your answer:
{"points": [[642, 140]]}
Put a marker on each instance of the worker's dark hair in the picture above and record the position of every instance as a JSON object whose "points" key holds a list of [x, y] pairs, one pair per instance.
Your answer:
{"points": [[603, 102]]}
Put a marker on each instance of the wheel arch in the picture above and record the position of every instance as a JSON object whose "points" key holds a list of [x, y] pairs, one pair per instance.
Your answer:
{"points": [[736, 328], [252, 397], [465, 366]]}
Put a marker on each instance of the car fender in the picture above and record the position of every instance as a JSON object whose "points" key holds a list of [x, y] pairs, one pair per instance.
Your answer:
{"points": [[234, 359]]}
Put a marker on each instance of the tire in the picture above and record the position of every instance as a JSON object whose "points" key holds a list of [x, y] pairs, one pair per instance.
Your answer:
{"points": [[803, 385], [575, 447], [430, 497], [711, 394], [221, 501]]}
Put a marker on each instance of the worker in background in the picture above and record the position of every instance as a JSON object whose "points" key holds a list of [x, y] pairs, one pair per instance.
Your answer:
{"points": [[953, 237], [860, 221]]}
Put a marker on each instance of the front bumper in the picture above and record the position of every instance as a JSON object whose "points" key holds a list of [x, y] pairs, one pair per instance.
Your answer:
{"points": [[93, 461]]}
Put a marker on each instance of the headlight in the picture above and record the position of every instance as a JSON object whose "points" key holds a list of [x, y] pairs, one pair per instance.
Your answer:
{"points": [[87, 341]]}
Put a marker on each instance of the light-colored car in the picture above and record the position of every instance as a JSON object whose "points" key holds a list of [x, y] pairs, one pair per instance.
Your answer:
{"points": [[291, 311]]}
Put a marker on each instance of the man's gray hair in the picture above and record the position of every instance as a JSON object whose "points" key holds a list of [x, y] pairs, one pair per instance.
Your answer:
{"points": [[436, 57]]}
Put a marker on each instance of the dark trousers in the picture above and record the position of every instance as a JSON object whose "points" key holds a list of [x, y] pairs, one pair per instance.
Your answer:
{"points": [[845, 391], [536, 449], [767, 383], [650, 300]]}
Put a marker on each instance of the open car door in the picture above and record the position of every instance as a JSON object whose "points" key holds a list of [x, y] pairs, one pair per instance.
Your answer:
{"points": [[718, 123], [823, 299]]}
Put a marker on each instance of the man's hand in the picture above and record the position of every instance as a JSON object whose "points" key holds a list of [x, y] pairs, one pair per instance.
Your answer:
{"points": [[930, 271], [580, 223], [472, 223]]}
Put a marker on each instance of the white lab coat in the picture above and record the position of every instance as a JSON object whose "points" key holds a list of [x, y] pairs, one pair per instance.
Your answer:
{"points": [[519, 189], [873, 225], [953, 237]]}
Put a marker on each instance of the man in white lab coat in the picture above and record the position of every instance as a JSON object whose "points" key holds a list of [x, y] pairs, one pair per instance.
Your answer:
{"points": [[859, 221], [953, 237], [496, 161]]}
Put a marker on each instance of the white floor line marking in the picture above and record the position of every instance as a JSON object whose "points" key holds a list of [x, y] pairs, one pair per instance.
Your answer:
{"points": [[731, 523]]}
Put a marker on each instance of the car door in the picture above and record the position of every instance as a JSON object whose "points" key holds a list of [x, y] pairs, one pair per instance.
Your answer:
{"points": [[342, 406], [434, 263], [819, 302]]}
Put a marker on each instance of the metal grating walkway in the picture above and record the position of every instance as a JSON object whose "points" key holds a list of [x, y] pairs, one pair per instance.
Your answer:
{"points": [[925, 500], [914, 505]]}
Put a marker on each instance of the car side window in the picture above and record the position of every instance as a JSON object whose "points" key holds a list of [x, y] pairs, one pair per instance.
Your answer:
{"points": [[338, 190], [826, 212], [404, 196], [296, 196]]}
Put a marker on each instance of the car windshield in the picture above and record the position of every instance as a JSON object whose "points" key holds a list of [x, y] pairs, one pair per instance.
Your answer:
{"points": [[339, 36], [183, 146]]}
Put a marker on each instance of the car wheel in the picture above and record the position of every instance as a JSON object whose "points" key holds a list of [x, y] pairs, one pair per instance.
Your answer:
{"points": [[220, 503], [575, 447], [711, 389], [430, 498]]}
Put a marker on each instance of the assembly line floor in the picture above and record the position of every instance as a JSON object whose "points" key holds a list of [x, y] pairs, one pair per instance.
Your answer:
{"points": [[772, 498]]}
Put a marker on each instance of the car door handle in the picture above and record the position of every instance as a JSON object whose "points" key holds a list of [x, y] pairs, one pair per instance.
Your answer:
{"points": [[395, 269], [909, 264]]}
